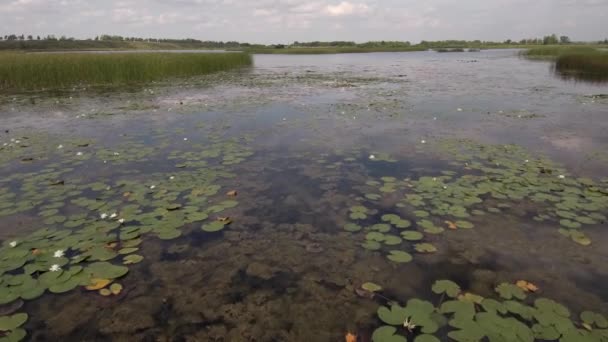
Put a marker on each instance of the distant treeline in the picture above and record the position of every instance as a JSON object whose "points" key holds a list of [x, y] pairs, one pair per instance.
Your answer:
{"points": [[30, 42]]}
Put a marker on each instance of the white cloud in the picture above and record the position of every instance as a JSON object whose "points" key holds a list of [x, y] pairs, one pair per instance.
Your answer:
{"points": [[346, 8]]}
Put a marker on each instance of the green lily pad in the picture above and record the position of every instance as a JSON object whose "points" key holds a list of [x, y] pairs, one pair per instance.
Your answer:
{"points": [[392, 240], [371, 245], [464, 224], [387, 334], [426, 338], [508, 291], [105, 270], [13, 322], [591, 318], [132, 259], [425, 248], [412, 235], [450, 288], [371, 287], [400, 256], [381, 227]]}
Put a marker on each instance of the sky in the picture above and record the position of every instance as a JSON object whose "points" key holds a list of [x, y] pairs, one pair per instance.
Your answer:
{"points": [[285, 21]]}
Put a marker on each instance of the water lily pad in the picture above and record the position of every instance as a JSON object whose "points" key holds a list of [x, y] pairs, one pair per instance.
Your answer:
{"points": [[508, 291], [412, 235], [591, 318], [425, 248], [381, 227], [371, 245], [464, 224], [13, 322], [387, 334], [375, 236], [450, 288], [97, 284], [399, 256], [132, 259], [105, 270], [426, 338], [115, 288], [105, 292], [371, 287], [214, 226], [392, 240]]}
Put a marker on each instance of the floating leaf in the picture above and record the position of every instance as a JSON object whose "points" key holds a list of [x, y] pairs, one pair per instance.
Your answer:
{"points": [[450, 288], [97, 284], [508, 291], [115, 288], [371, 287], [215, 226], [425, 248], [526, 286], [105, 270], [132, 259], [387, 334], [105, 292], [352, 227], [399, 256], [412, 235], [13, 322]]}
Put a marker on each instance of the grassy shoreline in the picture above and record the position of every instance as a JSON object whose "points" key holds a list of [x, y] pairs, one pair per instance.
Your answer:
{"points": [[20, 71]]}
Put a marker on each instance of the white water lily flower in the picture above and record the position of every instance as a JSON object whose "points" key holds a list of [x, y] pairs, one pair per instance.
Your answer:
{"points": [[103, 216], [526, 161], [13, 244], [116, 153], [152, 186], [78, 153], [185, 139], [60, 146], [55, 268], [59, 253], [372, 157], [459, 109], [562, 176], [172, 178], [113, 215], [121, 221], [423, 141]]}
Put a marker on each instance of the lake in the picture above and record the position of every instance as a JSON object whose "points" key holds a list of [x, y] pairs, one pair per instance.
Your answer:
{"points": [[252, 205]]}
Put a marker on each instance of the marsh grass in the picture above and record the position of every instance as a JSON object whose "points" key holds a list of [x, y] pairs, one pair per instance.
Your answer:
{"points": [[19, 71], [555, 51], [585, 63], [587, 67]]}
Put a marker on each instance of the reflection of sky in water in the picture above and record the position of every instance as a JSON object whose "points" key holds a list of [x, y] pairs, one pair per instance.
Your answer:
{"points": [[285, 270]]}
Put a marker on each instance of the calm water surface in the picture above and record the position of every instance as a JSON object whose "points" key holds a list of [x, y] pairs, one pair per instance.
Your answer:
{"points": [[302, 140]]}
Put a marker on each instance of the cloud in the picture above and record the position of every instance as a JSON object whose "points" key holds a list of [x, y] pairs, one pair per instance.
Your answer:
{"points": [[346, 8]]}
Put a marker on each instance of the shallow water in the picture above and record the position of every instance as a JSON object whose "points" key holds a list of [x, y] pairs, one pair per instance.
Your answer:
{"points": [[300, 138]]}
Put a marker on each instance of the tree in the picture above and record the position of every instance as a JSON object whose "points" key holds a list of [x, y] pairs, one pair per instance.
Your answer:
{"points": [[30, 37], [37, 37], [552, 39], [564, 39]]}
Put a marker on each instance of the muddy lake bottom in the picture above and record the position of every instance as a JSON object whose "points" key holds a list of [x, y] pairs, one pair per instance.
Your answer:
{"points": [[496, 162]]}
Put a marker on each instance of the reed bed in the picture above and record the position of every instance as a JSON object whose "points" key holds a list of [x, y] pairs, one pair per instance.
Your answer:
{"points": [[60, 70]]}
